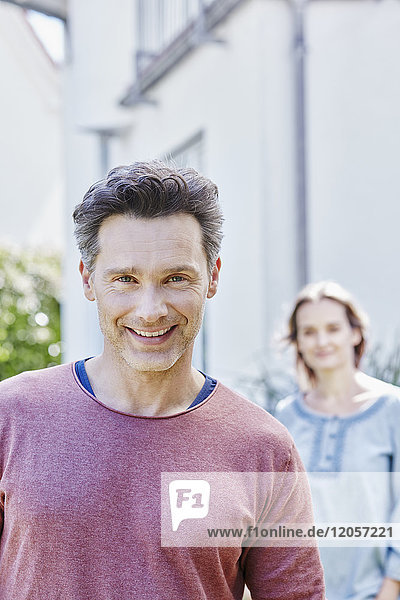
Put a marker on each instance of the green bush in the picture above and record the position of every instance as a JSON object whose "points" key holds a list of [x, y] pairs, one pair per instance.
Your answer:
{"points": [[29, 311], [384, 364]]}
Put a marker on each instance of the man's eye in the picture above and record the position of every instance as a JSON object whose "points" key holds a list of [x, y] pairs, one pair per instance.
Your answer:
{"points": [[176, 278], [125, 278]]}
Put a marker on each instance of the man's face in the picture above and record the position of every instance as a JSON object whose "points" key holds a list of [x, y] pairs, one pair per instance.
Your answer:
{"points": [[150, 282]]}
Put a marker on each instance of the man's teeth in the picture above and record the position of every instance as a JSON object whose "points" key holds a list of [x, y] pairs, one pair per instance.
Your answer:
{"points": [[151, 333]]}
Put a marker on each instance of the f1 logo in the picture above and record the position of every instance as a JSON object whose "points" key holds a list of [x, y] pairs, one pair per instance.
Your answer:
{"points": [[189, 499]]}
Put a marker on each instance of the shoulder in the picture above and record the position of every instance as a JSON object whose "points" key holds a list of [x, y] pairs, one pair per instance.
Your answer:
{"points": [[32, 385], [376, 388], [256, 429], [288, 408], [244, 410], [385, 397], [286, 405], [391, 405]]}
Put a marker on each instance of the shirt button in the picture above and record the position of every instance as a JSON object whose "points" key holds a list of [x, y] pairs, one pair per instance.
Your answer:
{"points": [[332, 435], [329, 457]]}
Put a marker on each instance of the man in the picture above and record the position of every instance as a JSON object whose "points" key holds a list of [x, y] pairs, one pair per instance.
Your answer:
{"points": [[85, 447]]}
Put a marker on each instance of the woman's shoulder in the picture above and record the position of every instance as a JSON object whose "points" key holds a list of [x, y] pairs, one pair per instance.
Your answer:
{"points": [[371, 383], [375, 389], [286, 406]]}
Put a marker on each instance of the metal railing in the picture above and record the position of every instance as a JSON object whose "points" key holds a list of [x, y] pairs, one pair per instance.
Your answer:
{"points": [[167, 30], [161, 22]]}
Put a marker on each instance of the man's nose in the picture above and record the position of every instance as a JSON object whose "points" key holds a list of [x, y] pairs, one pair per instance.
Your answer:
{"points": [[151, 305]]}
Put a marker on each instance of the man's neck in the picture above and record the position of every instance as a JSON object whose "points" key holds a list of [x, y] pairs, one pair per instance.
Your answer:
{"points": [[151, 394]]}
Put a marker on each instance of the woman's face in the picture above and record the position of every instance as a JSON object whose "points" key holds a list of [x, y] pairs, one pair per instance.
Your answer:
{"points": [[325, 337]]}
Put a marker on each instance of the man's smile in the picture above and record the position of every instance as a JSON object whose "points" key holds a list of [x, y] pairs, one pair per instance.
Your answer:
{"points": [[151, 333], [152, 336]]}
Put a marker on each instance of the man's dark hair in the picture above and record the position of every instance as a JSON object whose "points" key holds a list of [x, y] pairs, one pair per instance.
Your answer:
{"points": [[147, 190]]}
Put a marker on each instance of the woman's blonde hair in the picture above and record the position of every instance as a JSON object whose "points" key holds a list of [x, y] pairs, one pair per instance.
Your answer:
{"points": [[314, 292]]}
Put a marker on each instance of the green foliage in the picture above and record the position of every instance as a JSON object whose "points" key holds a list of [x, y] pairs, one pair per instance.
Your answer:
{"points": [[384, 365], [29, 311]]}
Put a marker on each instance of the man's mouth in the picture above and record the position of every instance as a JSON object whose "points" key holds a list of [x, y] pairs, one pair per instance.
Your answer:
{"points": [[150, 334]]}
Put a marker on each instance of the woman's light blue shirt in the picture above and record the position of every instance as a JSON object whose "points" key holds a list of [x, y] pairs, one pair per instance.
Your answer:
{"points": [[354, 470]]}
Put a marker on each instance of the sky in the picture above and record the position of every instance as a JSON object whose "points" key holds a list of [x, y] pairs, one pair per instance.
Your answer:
{"points": [[51, 33]]}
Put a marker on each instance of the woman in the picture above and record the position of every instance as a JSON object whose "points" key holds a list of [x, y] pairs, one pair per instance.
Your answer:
{"points": [[346, 426]]}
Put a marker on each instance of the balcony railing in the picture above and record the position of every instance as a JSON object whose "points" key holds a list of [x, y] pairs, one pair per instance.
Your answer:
{"points": [[167, 31], [160, 22]]}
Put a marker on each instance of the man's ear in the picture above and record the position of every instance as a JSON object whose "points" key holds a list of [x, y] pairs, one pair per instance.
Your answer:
{"points": [[87, 281], [213, 285]]}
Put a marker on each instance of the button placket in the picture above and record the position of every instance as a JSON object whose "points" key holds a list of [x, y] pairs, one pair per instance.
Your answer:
{"points": [[329, 444]]}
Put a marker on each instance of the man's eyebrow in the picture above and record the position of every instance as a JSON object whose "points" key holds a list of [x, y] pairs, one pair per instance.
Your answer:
{"points": [[179, 269], [121, 271], [131, 270]]}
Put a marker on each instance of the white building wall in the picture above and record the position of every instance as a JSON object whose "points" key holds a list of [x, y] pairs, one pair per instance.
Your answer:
{"points": [[98, 69], [31, 155], [353, 99]]}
